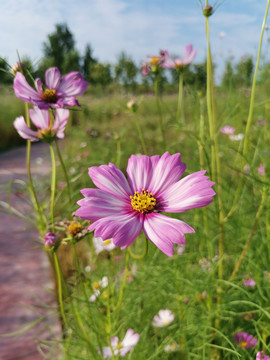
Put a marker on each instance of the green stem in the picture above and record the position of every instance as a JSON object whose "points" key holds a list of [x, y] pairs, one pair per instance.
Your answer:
{"points": [[123, 285], [53, 183], [160, 120], [180, 97], [64, 169], [258, 214], [142, 255], [249, 120], [139, 129], [28, 166], [59, 291]]}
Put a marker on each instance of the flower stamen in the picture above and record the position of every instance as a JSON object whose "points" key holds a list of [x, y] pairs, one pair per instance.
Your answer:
{"points": [[143, 202], [49, 95]]}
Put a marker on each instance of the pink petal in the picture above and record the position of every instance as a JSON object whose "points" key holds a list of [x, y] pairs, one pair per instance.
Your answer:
{"points": [[191, 192], [98, 204], [60, 122], [24, 131], [72, 84], [40, 118], [39, 86], [107, 352], [110, 179], [122, 228], [139, 172], [189, 54], [130, 338], [52, 77], [23, 90], [163, 231]]}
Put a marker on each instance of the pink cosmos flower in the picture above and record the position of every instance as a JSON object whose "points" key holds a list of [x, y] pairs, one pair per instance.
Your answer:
{"points": [[249, 282], [45, 130], [49, 240], [245, 340], [189, 55], [120, 209], [121, 348], [154, 63], [59, 91], [164, 318], [261, 356], [227, 130], [261, 170]]}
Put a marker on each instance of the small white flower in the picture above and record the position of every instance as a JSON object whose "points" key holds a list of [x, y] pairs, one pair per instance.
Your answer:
{"points": [[72, 170], [171, 347], [94, 296], [87, 268], [101, 245], [237, 137], [164, 318], [39, 160], [121, 348], [97, 286], [180, 249], [83, 144]]}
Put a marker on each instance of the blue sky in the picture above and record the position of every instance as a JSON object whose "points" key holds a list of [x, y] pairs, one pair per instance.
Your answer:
{"points": [[140, 27]]}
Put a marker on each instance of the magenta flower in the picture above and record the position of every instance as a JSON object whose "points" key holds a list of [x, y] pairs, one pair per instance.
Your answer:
{"points": [[121, 348], [45, 130], [261, 356], [189, 55], [249, 282], [227, 130], [245, 340], [121, 208], [49, 240], [261, 170], [154, 63], [59, 91]]}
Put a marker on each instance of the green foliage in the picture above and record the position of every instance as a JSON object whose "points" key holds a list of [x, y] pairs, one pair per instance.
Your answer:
{"points": [[101, 74], [126, 71], [88, 62]]}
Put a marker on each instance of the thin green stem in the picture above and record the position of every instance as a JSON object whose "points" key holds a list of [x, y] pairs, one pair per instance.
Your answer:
{"points": [[123, 285], [53, 183], [59, 290], [160, 119], [180, 97], [139, 129], [142, 255], [249, 120], [28, 166], [64, 169], [258, 214]]}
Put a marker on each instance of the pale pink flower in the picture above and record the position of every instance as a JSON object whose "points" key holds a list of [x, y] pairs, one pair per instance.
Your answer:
{"points": [[180, 249], [249, 282], [261, 356], [236, 137], [164, 318], [123, 347], [101, 245], [97, 286], [245, 340], [227, 130], [189, 55], [261, 170]]}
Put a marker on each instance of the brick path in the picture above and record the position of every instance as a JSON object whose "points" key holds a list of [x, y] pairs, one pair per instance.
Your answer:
{"points": [[24, 274]]}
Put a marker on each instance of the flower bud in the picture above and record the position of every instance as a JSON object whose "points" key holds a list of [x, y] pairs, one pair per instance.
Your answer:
{"points": [[132, 105], [18, 66], [49, 240], [208, 10]]}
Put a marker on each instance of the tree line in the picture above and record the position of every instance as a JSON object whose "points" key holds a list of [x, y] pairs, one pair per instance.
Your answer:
{"points": [[59, 50]]}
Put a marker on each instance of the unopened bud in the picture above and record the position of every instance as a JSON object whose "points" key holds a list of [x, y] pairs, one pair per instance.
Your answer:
{"points": [[132, 105], [49, 240], [18, 66], [208, 10]]}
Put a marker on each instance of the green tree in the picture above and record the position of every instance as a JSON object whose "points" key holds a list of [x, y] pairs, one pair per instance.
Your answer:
{"points": [[59, 50], [126, 71], [88, 62], [101, 74]]}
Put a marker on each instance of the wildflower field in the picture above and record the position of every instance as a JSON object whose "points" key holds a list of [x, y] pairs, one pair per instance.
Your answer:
{"points": [[155, 217]]}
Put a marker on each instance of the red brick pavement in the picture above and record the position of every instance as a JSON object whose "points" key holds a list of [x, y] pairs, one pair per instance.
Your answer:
{"points": [[24, 274]]}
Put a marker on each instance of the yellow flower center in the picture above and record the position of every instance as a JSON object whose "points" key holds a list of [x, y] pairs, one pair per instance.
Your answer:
{"points": [[119, 346], [154, 60], [173, 346], [74, 228], [243, 344], [96, 285], [47, 133], [165, 322], [49, 95], [107, 242], [143, 202]]}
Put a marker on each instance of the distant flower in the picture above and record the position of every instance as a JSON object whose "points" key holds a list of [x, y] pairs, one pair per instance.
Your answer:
{"points": [[154, 63], [59, 91], [97, 286], [49, 240], [237, 137], [171, 347], [227, 130], [164, 318], [120, 209], [246, 169], [267, 27], [221, 35], [87, 268], [249, 282], [261, 122], [261, 356], [189, 55], [123, 347], [180, 249], [132, 105], [245, 340], [45, 130], [261, 170], [101, 245], [205, 264], [18, 66]]}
